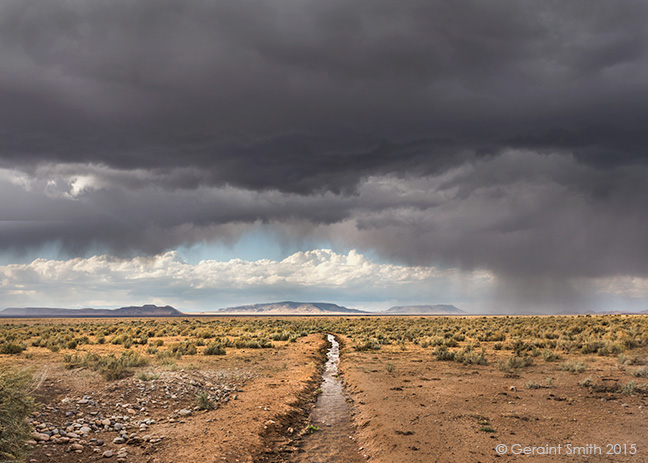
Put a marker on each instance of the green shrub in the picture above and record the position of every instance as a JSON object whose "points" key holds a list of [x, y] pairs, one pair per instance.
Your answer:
{"points": [[214, 349], [550, 355], [611, 348], [283, 336], [11, 348], [443, 354], [468, 356], [111, 368], [367, 345], [182, 348], [203, 401]]}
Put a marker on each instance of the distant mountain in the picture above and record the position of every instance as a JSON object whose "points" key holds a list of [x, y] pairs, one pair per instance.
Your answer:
{"points": [[288, 308], [148, 310], [46, 312], [438, 309], [617, 312]]}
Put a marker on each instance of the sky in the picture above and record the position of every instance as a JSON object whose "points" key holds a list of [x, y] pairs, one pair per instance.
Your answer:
{"points": [[491, 155]]}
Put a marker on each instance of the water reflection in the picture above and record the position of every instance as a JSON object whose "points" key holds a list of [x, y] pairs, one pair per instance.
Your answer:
{"points": [[331, 443]]}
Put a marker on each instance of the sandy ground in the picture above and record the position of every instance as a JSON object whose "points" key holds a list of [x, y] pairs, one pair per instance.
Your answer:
{"points": [[426, 410]]}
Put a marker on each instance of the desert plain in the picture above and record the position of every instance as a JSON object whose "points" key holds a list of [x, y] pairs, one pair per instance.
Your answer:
{"points": [[242, 389]]}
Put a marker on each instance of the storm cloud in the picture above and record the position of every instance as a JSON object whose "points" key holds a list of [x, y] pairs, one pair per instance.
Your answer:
{"points": [[508, 136]]}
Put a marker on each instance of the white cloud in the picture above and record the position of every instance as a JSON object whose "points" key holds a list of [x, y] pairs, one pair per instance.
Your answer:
{"points": [[322, 273]]}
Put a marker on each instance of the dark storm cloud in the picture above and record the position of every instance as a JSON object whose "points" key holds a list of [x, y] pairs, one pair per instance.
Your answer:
{"points": [[307, 96], [506, 135]]}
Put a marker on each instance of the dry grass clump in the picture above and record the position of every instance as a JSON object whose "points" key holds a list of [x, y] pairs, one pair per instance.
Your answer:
{"points": [[641, 372], [514, 363], [109, 366], [573, 366], [16, 404], [466, 355]]}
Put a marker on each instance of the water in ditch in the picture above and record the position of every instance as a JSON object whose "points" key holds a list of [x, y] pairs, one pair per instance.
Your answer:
{"points": [[332, 415]]}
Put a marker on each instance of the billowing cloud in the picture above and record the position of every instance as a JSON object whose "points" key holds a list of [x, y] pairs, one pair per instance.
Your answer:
{"points": [[209, 284], [520, 214]]}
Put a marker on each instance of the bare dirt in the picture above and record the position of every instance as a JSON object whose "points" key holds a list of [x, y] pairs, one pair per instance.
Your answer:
{"points": [[411, 407], [262, 399]]}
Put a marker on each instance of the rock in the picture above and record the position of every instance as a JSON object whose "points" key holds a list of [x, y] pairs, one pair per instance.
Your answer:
{"points": [[100, 442], [106, 422], [119, 440], [31, 442], [40, 437], [107, 454], [76, 447], [85, 430], [184, 412]]}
